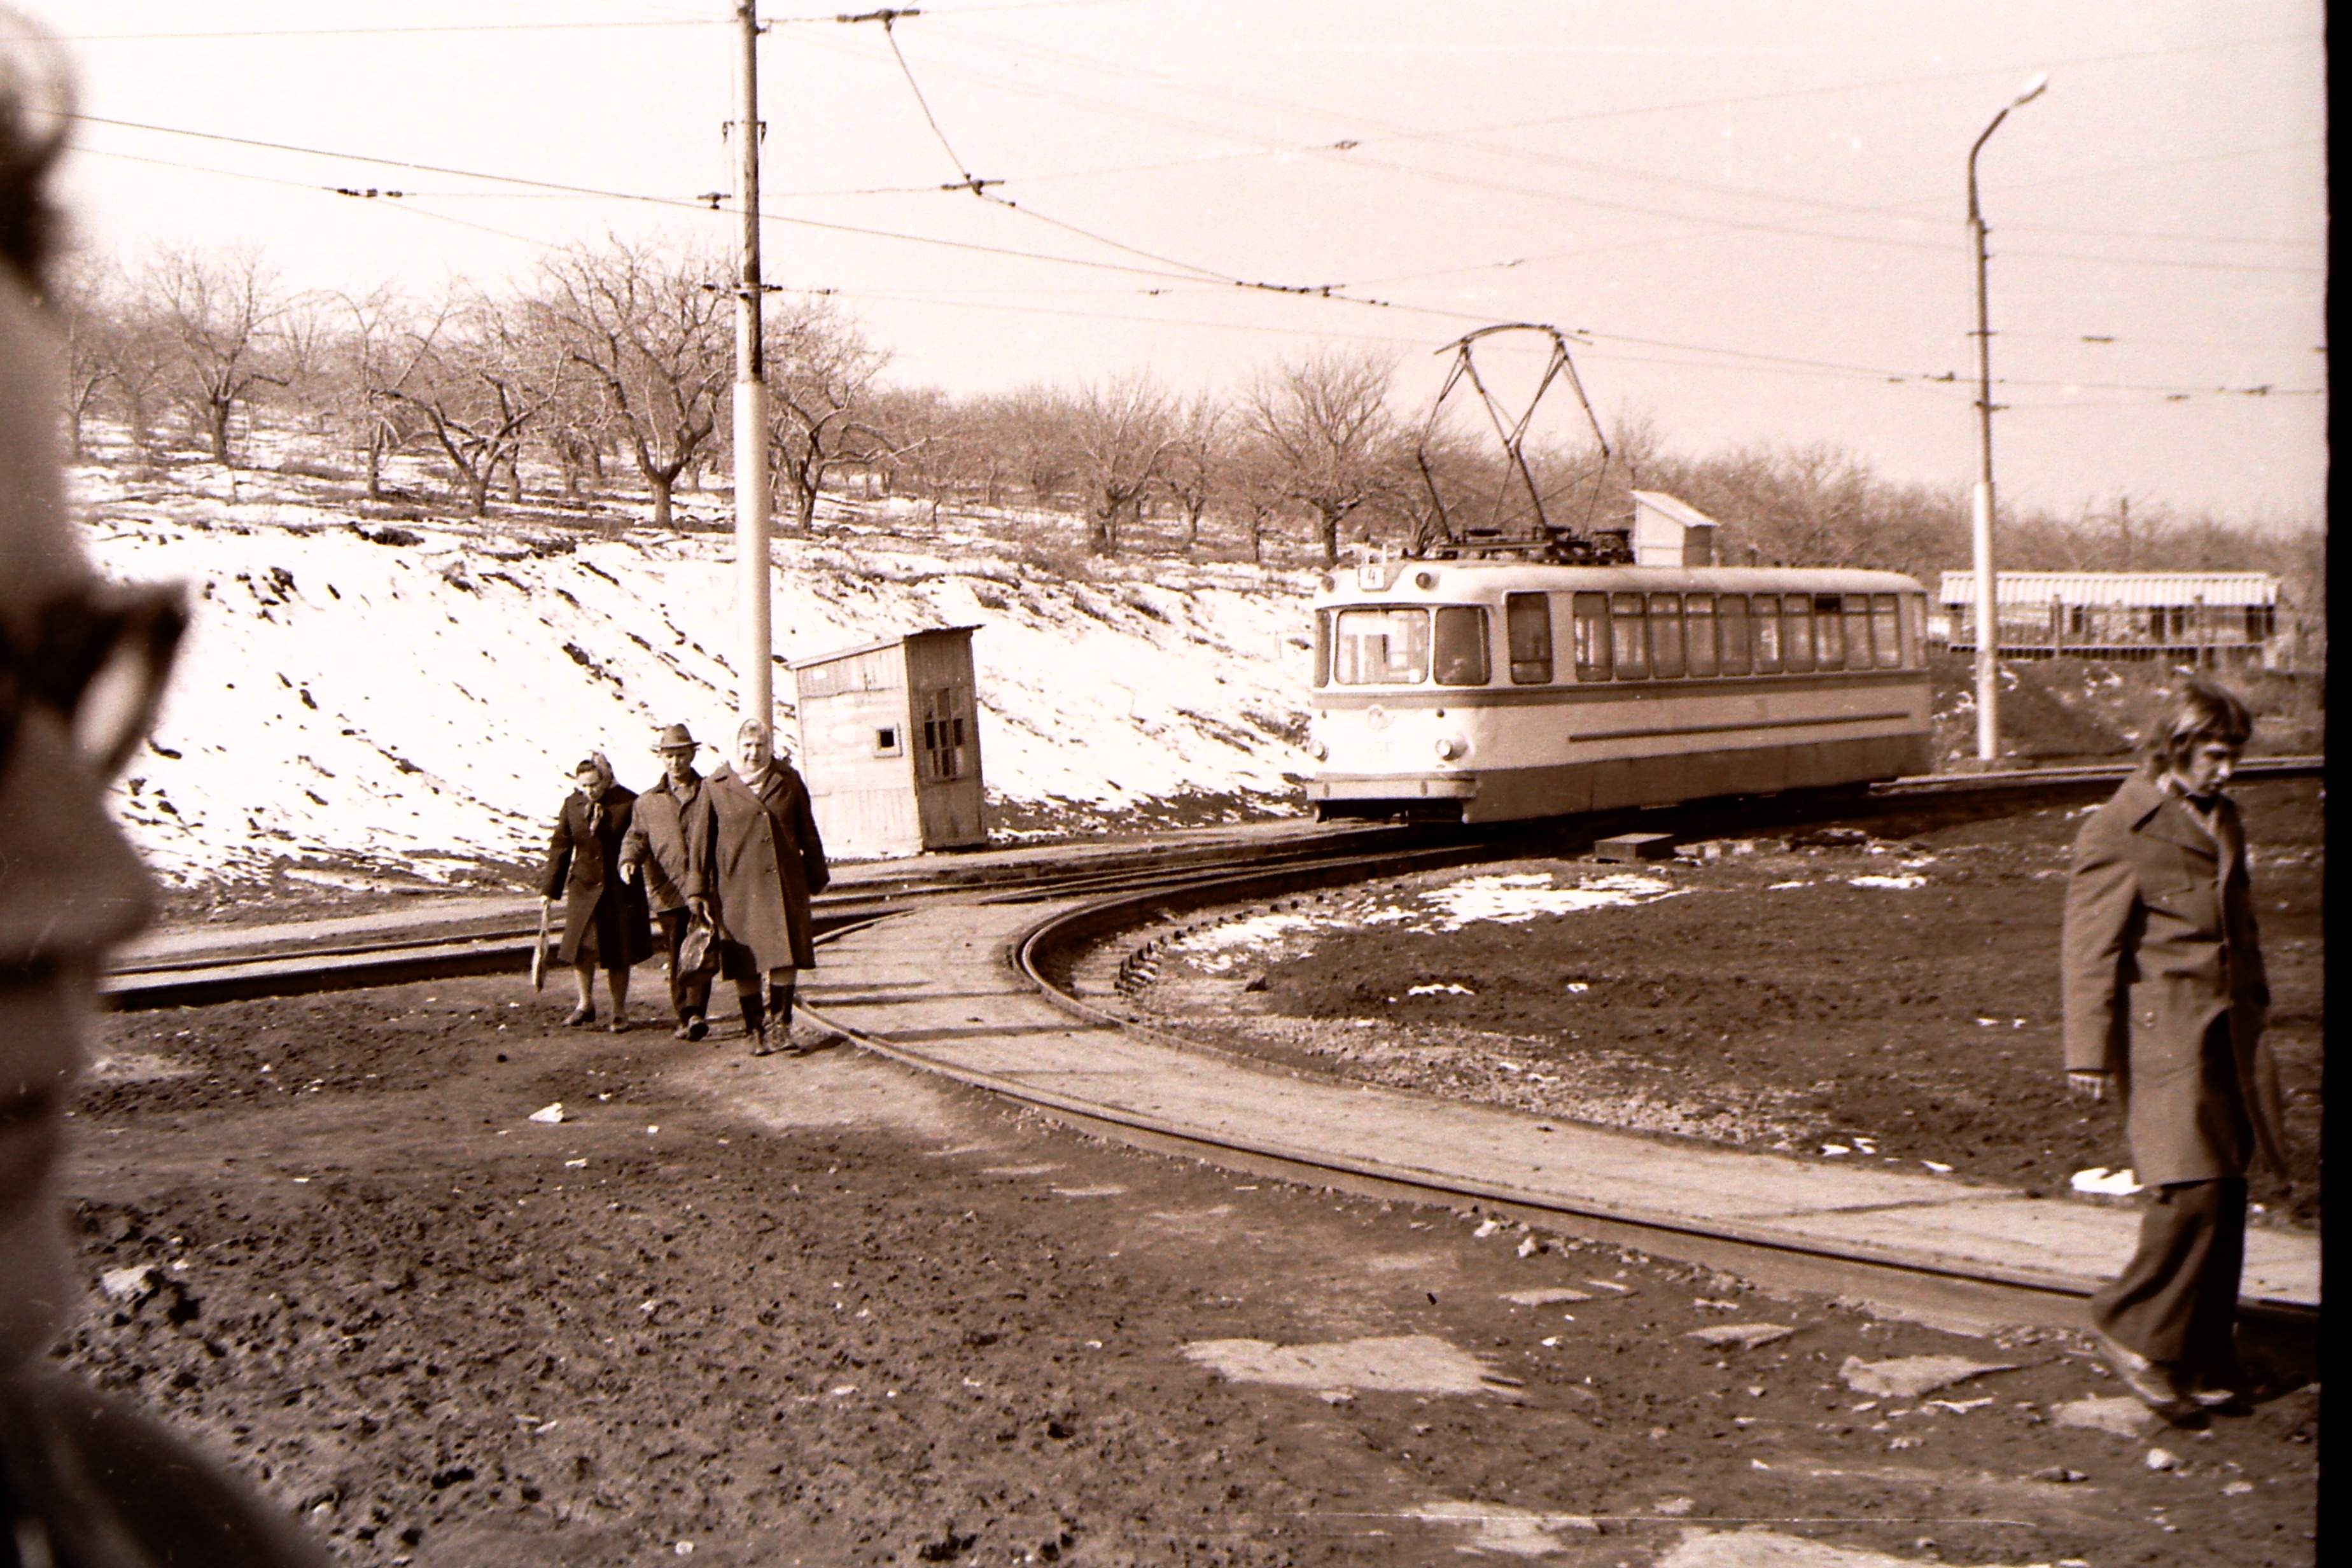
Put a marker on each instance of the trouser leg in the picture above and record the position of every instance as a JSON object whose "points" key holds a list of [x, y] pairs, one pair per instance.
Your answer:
{"points": [[688, 998], [2177, 1299]]}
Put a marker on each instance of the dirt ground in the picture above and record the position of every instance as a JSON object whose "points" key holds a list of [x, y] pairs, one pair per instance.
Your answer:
{"points": [[1883, 991], [824, 1311]]}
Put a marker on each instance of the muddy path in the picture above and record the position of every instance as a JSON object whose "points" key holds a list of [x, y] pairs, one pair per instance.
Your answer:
{"points": [[824, 1311]]}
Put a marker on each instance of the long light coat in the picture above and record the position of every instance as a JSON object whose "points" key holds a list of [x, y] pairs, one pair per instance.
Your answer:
{"points": [[765, 862], [2159, 943]]}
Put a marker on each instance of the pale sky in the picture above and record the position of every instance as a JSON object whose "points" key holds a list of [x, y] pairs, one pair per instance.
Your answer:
{"points": [[1757, 210]]}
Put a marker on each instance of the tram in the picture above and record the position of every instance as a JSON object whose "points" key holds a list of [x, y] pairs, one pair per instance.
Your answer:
{"points": [[1490, 689]]}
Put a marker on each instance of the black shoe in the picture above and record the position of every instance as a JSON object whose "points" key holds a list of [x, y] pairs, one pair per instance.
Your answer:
{"points": [[580, 1017], [694, 1028], [2150, 1381]]}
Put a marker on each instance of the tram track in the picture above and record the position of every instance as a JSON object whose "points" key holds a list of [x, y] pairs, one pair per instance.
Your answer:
{"points": [[1099, 901]]}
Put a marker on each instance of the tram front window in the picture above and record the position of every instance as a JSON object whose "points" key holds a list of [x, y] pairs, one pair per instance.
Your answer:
{"points": [[1460, 657], [1381, 647]]}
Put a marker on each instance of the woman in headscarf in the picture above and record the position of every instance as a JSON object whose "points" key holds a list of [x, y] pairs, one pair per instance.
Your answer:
{"points": [[605, 924]]}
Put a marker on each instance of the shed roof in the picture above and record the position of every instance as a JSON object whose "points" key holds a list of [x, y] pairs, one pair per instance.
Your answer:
{"points": [[2132, 589], [840, 653]]}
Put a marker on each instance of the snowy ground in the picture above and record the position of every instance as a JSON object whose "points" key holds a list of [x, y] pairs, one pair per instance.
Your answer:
{"points": [[363, 697]]}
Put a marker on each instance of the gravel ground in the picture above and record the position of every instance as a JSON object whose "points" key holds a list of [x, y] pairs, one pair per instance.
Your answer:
{"points": [[1887, 994], [824, 1311]]}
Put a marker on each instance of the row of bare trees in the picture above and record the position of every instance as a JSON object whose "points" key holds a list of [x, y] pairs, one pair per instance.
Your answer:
{"points": [[613, 364], [617, 353]]}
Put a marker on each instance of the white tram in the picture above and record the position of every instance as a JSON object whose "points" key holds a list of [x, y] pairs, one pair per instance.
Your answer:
{"points": [[1495, 689]]}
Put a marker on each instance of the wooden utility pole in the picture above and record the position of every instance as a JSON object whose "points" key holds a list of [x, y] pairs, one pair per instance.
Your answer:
{"points": [[757, 692]]}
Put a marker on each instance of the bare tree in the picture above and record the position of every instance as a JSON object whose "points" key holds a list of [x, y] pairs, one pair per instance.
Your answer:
{"points": [[820, 372], [476, 379], [88, 304], [1326, 418], [1193, 469], [654, 331], [379, 352], [1121, 431], [221, 312]]}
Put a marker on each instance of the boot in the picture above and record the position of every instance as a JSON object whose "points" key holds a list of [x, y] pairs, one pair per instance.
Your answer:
{"points": [[755, 1025], [780, 1013]]}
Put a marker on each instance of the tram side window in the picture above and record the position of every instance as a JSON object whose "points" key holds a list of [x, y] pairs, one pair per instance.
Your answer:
{"points": [[1322, 648], [1527, 620], [1698, 634], [1885, 632], [1591, 613], [1731, 633], [1796, 633], [1666, 636], [1628, 639], [1915, 622], [1767, 626], [1857, 613], [1829, 632], [1381, 647]]}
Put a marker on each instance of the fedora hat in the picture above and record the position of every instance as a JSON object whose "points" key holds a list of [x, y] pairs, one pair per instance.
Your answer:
{"points": [[675, 738]]}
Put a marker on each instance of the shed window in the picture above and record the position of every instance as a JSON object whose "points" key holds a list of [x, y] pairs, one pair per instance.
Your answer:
{"points": [[885, 740], [1766, 626], [1796, 633], [1731, 633], [1829, 633], [1885, 632], [1628, 639], [1527, 620], [1591, 616], [1381, 647], [1698, 633], [943, 732], [1461, 646]]}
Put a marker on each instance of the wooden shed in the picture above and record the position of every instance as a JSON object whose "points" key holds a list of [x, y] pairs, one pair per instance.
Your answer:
{"points": [[890, 747], [2191, 618]]}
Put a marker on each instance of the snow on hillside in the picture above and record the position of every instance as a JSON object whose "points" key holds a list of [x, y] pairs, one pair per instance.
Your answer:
{"points": [[363, 697]]}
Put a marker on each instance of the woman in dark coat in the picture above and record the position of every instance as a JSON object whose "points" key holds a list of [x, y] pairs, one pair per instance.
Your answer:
{"points": [[2165, 1003], [605, 919], [765, 862]]}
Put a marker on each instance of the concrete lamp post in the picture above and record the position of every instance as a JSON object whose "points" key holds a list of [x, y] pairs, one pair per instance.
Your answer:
{"points": [[1988, 612]]}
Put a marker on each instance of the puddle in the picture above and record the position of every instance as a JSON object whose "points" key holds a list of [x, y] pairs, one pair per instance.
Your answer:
{"points": [[1403, 1363], [1757, 1547], [1506, 1531]]}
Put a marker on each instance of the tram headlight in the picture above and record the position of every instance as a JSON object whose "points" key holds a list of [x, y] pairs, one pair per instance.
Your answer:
{"points": [[1318, 751], [1449, 747]]}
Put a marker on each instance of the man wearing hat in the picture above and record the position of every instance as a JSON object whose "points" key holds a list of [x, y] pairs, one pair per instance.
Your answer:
{"points": [[667, 843]]}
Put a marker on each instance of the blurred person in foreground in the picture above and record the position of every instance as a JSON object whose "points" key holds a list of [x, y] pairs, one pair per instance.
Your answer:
{"points": [[2165, 1003], [604, 918], [670, 832], [765, 862], [85, 1482]]}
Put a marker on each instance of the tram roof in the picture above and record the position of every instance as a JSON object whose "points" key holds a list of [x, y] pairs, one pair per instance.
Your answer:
{"points": [[1396, 579]]}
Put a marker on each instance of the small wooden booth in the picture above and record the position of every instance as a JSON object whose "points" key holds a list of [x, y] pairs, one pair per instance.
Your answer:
{"points": [[890, 747]]}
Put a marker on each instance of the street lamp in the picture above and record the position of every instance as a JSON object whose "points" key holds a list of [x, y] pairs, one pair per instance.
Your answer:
{"points": [[1988, 612]]}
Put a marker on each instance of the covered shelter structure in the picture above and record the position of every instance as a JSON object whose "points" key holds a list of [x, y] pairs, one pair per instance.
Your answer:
{"points": [[2206, 618], [889, 745]]}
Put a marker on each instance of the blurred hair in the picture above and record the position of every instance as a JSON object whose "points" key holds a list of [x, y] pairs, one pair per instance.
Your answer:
{"points": [[36, 106], [2198, 713]]}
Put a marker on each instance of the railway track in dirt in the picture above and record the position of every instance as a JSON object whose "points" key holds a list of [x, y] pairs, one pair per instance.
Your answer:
{"points": [[1112, 893]]}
